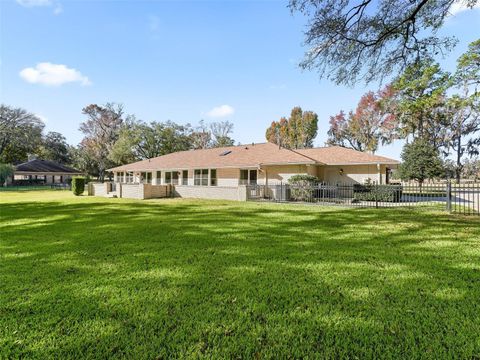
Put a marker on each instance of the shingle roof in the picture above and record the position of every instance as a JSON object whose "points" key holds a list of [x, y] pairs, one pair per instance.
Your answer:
{"points": [[338, 155], [253, 155], [44, 166]]}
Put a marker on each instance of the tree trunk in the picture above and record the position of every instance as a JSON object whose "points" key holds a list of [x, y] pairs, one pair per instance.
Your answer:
{"points": [[458, 168]]}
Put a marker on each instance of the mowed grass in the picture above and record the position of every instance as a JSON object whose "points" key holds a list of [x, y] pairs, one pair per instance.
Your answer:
{"points": [[85, 277]]}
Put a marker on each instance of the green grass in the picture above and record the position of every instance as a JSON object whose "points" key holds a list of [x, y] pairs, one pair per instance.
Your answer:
{"points": [[103, 278]]}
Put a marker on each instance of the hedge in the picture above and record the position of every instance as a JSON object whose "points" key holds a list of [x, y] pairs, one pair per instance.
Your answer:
{"points": [[78, 185], [302, 187], [382, 193]]}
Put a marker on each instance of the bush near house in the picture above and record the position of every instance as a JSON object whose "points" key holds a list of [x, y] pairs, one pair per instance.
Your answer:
{"points": [[301, 186], [78, 185], [383, 193]]}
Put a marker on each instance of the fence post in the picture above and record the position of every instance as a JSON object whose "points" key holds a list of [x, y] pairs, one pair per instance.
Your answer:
{"points": [[449, 196], [375, 187]]}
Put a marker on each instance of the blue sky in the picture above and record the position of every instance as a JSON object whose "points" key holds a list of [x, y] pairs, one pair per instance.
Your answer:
{"points": [[173, 60]]}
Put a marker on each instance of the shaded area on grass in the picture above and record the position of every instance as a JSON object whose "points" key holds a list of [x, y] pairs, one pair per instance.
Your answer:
{"points": [[183, 278]]}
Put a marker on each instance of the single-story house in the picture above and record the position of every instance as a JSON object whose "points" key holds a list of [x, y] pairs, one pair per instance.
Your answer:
{"points": [[42, 172], [221, 172]]}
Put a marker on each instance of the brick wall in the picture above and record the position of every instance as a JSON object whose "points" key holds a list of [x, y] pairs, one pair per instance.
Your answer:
{"points": [[237, 193]]}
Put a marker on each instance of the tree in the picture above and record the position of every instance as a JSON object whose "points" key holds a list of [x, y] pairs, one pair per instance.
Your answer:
{"points": [[296, 132], [420, 102], [471, 169], [139, 140], [6, 170], [54, 147], [221, 133], [420, 161], [372, 123], [369, 40], [201, 137], [101, 129], [20, 134], [464, 108], [82, 160]]}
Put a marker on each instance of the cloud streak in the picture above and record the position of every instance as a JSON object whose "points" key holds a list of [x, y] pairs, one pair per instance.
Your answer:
{"points": [[49, 74], [57, 7], [221, 111]]}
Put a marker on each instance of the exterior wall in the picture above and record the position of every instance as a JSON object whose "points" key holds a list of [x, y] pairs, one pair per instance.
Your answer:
{"points": [[281, 173], [237, 193], [49, 179], [227, 177], [132, 191], [97, 189], [355, 174]]}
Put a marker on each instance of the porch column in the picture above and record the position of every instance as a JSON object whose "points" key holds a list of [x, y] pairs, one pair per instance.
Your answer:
{"points": [[379, 170]]}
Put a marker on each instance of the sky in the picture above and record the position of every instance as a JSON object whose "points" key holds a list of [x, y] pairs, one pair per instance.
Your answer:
{"points": [[174, 60]]}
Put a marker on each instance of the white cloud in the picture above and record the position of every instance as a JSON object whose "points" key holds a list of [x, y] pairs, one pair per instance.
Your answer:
{"points": [[53, 75], [57, 7], [221, 111], [34, 3], [460, 6]]}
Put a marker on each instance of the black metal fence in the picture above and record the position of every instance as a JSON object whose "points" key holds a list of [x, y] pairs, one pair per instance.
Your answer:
{"points": [[458, 198]]}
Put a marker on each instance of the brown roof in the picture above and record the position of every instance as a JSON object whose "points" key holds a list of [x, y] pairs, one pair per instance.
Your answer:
{"points": [[253, 155], [338, 155], [44, 166]]}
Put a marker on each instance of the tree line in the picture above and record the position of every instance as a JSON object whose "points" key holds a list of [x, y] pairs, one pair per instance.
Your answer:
{"points": [[436, 112], [110, 138]]}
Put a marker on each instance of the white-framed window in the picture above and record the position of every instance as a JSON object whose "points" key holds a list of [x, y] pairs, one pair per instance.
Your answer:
{"points": [[146, 177], [185, 177], [171, 177], [213, 177], [129, 177], [248, 177], [158, 176], [200, 177]]}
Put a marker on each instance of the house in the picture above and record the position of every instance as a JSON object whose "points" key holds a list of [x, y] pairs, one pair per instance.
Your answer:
{"points": [[37, 171], [223, 173]]}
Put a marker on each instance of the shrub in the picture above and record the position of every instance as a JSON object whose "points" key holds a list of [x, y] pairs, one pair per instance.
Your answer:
{"points": [[302, 187], [78, 185], [6, 170], [383, 193]]}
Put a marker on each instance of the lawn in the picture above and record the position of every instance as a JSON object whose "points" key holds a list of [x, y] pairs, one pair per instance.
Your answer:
{"points": [[172, 278]]}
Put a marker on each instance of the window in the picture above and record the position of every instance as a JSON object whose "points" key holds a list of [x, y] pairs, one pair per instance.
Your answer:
{"points": [[175, 177], [200, 177], [248, 177], [159, 177], [253, 177], [213, 177], [146, 178], [185, 177], [129, 177], [171, 177], [243, 177]]}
